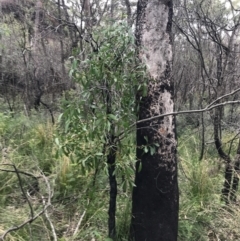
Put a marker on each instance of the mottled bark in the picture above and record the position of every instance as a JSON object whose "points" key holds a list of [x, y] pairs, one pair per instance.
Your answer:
{"points": [[87, 14], [129, 12], [155, 197]]}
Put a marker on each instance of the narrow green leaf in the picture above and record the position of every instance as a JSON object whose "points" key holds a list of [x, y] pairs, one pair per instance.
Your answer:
{"points": [[112, 117], [139, 167], [152, 150], [57, 141]]}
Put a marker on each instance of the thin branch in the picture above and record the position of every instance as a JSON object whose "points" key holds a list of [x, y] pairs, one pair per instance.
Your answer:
{"points": [[188, 111], [79, 223], [33, 218], [50, 194], [23, 192], [20, 172], [209, 107], [237, 10], [222, 97], [30, 220]]}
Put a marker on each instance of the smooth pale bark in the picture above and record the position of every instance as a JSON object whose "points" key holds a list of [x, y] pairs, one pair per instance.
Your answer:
{"points": [[155, 197]]}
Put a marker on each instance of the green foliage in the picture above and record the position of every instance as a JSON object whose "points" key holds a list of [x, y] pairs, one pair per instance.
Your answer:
{"points": [[25, 142], [30, 144], [104, 106], [124, 218], [202, 216]]}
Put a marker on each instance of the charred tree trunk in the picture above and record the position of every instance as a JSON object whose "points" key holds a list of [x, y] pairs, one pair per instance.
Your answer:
{"points": [[218, 130], [202, 137], [60, 40], [129, 12], [235, 181], [155, 196], [228, 165], [1, 51], [111, 159]]}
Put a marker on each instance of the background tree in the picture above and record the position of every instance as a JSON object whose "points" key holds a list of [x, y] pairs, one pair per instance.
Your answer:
{"points": [[212, 36], [31, 64]]}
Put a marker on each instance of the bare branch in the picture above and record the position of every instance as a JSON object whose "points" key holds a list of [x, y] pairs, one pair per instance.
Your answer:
{"points": [[209, 107], [20, 172], [50, 194], [32, 218], [189, 111], [23, 192], [237, 10], [79, 223], [223, 96]]}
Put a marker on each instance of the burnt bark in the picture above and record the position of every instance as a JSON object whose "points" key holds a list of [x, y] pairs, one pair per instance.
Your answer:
{"points": [[228, 165], [111, 159], [235, 181], [111, 162], [155, 196]]}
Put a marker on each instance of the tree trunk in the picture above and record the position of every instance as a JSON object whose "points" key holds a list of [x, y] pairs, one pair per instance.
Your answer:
{"points": [[155, 196], [235, 181], [228, 163], [111, 160]]}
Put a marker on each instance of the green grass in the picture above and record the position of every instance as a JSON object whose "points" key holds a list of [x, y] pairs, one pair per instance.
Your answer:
{"points": [[29, 145], [202, 214]]}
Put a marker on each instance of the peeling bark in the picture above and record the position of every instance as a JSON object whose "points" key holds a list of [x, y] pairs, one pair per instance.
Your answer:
{"points": [[155, 197]]}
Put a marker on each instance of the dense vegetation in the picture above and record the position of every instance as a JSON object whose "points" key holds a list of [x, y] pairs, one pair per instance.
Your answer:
{"points": [[67, 87], [79, 201]]}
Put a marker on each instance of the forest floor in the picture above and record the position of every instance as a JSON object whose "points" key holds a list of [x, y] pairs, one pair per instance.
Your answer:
{"points": [[57, 200]]}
